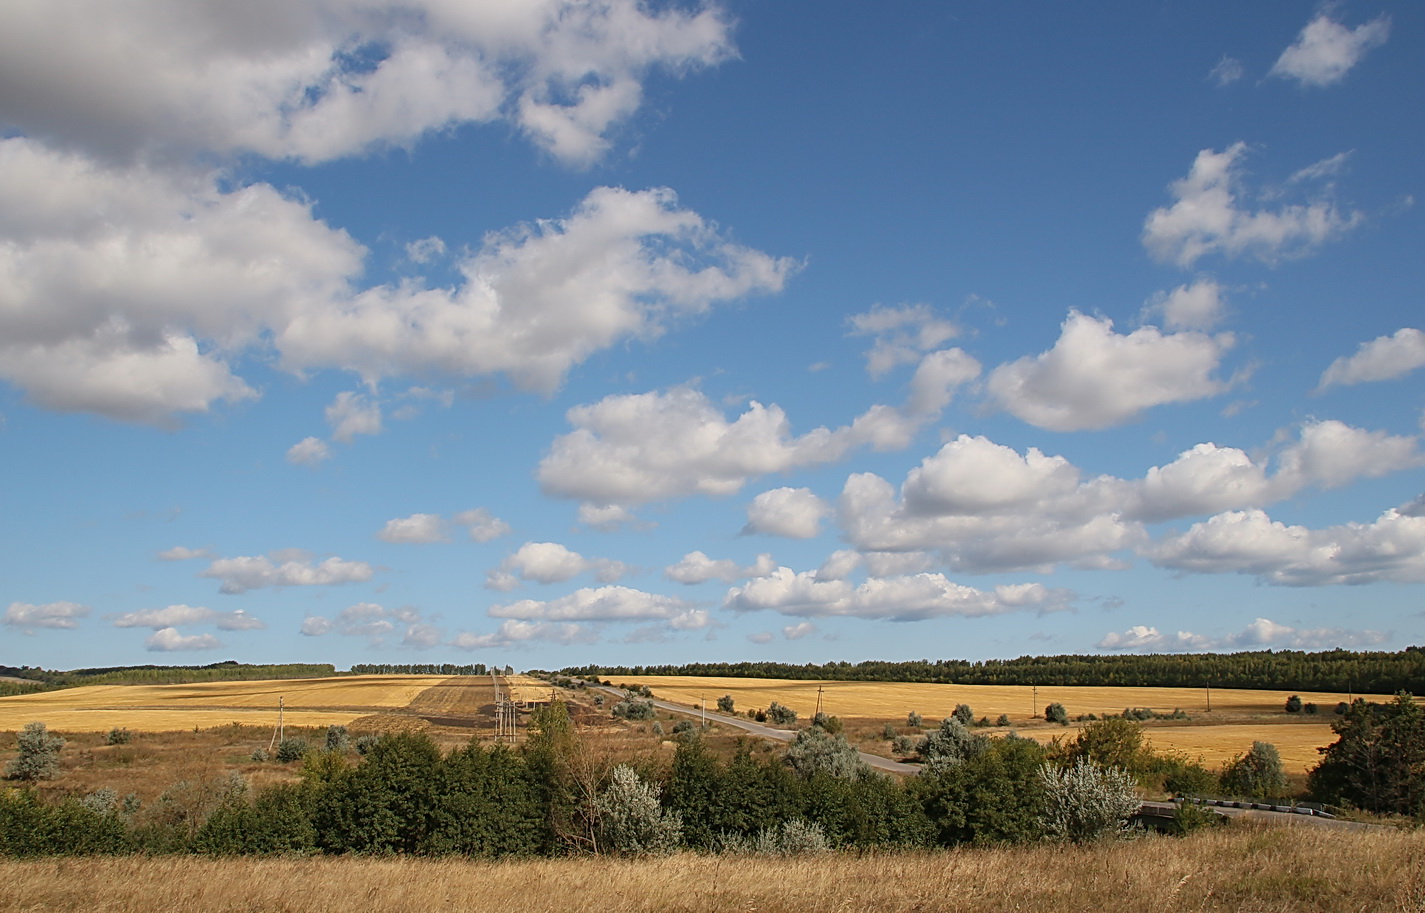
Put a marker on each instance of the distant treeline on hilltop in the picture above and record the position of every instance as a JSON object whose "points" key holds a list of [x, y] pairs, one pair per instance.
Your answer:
{"points": [[419, 669], [1285, 670], [226, 671]]}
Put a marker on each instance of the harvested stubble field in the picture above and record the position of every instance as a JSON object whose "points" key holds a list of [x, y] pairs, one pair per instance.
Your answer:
{"points": [[172, 708], [1237, 868], [1238, 717]]}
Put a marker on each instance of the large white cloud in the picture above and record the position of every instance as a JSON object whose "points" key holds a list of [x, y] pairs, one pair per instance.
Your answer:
{"points": [[1325, 51], [1250, 542], [130, 291], [49, 615], [1206, 218], [632, 449], [1095, 378], [982, 506], [320, 79], [1383, 358], [539, 299], [243, 573], [1262, 632], [910, 598]]}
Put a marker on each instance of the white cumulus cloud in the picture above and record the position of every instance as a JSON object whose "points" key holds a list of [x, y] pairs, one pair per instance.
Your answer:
{"points": [[792, 512], [1206, 218], [1325, 51], [309, 451], [696, 567], [169, 640], [1249, 542], [483, 525], [49, 615], [1096, 378], [243, 573], [637, 448], [417, 529], [1383, 358], [911, 598], [550, 562], [1261, 633]]}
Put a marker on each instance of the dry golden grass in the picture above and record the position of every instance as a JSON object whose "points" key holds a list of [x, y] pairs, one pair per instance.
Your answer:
{"points": [[526, 688], [169, 708], [1239, 868], [1238, 717]]}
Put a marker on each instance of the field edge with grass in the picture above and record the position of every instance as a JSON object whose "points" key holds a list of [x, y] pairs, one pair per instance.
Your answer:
{"points": [[1242, 867]]}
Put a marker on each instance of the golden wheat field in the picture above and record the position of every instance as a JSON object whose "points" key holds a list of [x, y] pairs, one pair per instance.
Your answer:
{"points": [[1238, 717], [1237, 868], [169, 708]]}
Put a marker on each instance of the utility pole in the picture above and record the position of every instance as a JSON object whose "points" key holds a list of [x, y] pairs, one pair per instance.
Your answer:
{"points": [[819, 690], [279, 733], [705, 711], [1209, 697], [1034, 702]]}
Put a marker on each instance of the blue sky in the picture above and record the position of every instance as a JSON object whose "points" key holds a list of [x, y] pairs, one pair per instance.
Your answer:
{"points": [[560, 332]]}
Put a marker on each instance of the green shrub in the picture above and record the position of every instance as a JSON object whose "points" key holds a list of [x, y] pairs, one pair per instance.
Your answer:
{"points": [[889, 732], [725, 704], [816, 751], [1003, 720], [365, 743], [964, 714], [1055, 713], [913, 720], [259, 755], [630, 709], [118, 736], [830, 724], [337, 739], [631, 820], [292, 749], [39, 754], [1258, 774], [1085, 802], [780, 715], [1190, 816], [1293, 704]]}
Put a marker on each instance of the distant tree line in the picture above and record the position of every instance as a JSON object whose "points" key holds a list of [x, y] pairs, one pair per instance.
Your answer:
{"points": [[1293, 670], [228, 670], [419, 669]]}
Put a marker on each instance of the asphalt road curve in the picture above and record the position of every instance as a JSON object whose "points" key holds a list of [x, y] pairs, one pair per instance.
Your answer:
{"points": [[764, 731]]}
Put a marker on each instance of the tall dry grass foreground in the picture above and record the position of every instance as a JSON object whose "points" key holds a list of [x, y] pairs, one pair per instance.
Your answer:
{"points": [[1239, 869]]}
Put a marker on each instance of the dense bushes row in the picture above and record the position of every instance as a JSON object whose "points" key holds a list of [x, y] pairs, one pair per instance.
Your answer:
{"points": [[554, 795]]}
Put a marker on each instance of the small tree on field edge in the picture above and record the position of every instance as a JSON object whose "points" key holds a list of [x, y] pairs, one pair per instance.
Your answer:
{"points": [[1055, 713]]}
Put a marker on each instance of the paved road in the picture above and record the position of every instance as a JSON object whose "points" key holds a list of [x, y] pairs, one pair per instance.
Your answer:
{"points": [[766, 732], [1166, 809]]}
